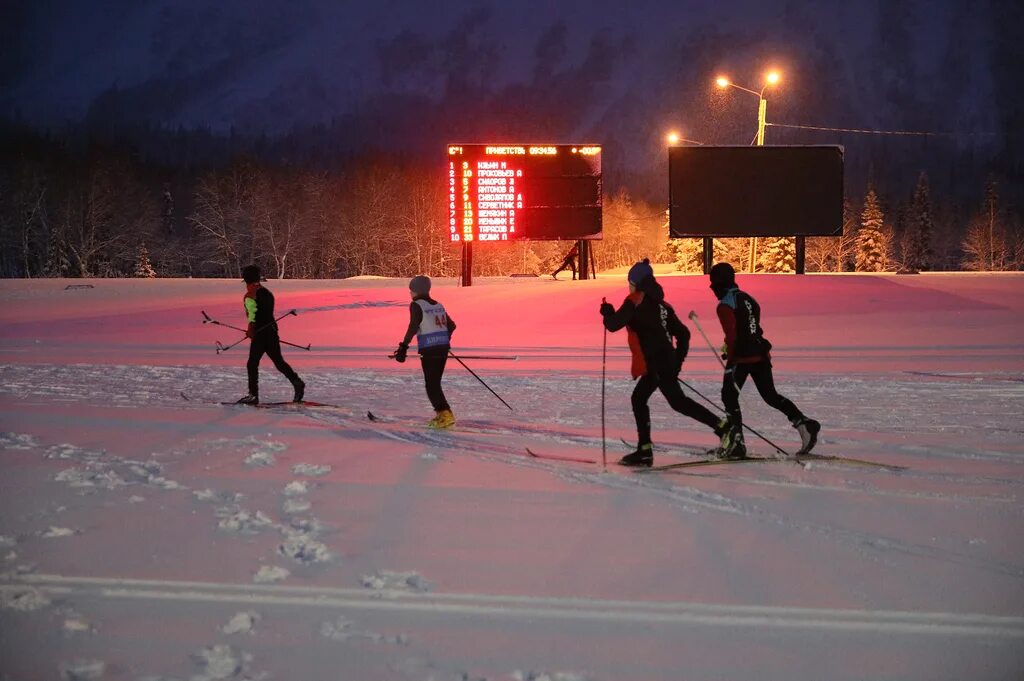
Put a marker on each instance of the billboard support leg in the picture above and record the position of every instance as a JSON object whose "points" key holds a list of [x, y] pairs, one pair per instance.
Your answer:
{"points": [[467, 263], [800, 254], [709, 254], [583, 247]]}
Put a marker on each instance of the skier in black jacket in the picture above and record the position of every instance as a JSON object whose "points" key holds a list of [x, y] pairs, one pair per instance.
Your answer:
{"points": [[652, 325], [748, 353], [259, 311]]}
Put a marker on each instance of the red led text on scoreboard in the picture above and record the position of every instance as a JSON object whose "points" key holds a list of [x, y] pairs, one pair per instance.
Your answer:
{"points": [[494, 191]]}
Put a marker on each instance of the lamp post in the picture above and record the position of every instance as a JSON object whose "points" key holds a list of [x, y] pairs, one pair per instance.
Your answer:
{"points": [[771, 78]]}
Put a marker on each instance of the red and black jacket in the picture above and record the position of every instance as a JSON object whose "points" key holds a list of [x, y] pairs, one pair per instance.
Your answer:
{"points": [[740, 316], [658, 340]]}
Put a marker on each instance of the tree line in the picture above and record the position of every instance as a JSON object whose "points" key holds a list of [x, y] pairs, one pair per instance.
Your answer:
{"points": [[103, 212]]}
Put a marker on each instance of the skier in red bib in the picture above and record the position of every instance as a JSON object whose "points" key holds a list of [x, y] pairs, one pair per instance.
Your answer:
{"points": [[433, 328], [658, 341], [748, 353]]}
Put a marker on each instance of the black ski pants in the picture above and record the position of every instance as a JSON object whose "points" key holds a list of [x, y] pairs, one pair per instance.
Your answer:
{"points": [[568, 262], [668, 384], [433, 370], [267, 343], [761, 373]]}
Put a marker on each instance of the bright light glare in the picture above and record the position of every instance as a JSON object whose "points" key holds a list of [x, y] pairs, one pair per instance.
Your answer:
{"points": [[722, 81], [772, 77], [672, 138]]}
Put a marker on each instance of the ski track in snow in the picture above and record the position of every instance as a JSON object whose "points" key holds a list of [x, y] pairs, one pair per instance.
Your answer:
{"points": [[148, 386]]}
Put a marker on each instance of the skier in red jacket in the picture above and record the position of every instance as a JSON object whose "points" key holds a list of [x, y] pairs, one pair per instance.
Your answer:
{"points": [[748, 353]]}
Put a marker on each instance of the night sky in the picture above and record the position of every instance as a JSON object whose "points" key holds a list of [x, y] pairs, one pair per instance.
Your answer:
{"points": [[406, 75]]}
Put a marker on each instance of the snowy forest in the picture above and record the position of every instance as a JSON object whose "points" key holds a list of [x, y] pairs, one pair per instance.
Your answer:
{"points": [[100, 211]]}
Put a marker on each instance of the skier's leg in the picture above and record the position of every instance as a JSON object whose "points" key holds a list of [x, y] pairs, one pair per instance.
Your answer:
{"points": [[765, 382], [433, 370], [645, 387], [730, 396], [761, 373], [256, 350], [274, 353], [572, 264], [677, 399]]}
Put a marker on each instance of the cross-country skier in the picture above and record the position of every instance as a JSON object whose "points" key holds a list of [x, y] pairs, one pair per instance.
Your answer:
{"points": [[748, 353], [569, 261], [652, 324], [259, 310], [433, 329]]}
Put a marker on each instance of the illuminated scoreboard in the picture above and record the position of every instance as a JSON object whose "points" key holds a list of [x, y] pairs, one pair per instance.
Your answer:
{"points": [[500, 192]]}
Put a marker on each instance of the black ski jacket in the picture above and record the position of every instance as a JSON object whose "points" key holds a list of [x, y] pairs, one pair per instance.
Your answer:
{"points": [[657, 337]]}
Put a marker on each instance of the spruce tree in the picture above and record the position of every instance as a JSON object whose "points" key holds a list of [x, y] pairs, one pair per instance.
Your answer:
{"points": [[143, 267], [918, 254], [871, 239], [778, 254]]}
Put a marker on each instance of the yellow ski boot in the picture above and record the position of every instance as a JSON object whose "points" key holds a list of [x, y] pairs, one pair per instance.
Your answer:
{"points": [[444, 419]]}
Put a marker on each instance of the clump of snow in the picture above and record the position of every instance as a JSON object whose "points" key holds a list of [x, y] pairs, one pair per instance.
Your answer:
{"points": [[296, 488], [55, 531], [11, 555], [387, 580], [295, 506], [342, 629], [136, 499], [233, 519], [83, 670], [242, 623], [220, 497], [304, 549], [260, 459], [219, 661], [73, 452], [77, 477], [310, 526], [270, 573], [6, 541], [310, 470], [10, 440], [547, 676], [74, 623], [429, 456], [23, 599]]}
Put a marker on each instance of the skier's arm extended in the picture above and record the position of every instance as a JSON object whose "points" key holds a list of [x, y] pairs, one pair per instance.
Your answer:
{"points": [[415, 319], [727, 317], [616, 319]]}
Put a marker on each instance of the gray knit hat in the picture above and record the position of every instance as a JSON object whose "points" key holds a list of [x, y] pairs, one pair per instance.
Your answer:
{"points": [[420, 285]]}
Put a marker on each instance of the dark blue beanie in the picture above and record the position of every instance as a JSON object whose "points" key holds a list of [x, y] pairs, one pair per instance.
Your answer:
{"points": [[640, 271]]}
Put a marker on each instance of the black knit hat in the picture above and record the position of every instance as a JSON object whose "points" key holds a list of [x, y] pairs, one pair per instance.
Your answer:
{"points": [[251, 274], [723, 274]]}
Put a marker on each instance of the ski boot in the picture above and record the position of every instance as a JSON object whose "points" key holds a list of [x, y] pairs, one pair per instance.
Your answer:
{"points": [[250, 399], [732, 446], [643, 457], [300, 389], [444, 419], [808, 429]]}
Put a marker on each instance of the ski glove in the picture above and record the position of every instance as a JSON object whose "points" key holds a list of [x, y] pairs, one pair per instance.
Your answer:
{"points": [[607, 309], [400, 353]]}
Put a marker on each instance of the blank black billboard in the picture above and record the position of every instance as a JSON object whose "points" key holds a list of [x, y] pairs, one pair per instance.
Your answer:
{"points": [[755, 191]]}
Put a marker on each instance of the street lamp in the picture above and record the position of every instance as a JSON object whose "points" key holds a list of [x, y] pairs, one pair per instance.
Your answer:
{"points": [[673, 139], [770, 78]]}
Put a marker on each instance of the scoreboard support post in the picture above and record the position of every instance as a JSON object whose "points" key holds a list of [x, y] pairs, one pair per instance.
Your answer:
{"points": [[467, 263], [584, 266], [709, 254], [800, 254]]}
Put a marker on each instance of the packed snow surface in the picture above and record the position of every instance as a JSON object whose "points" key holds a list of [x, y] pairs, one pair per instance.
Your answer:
{"points": [[148, 531]]}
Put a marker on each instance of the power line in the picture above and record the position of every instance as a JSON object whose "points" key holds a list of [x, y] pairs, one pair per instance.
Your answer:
{"points": [[884, 132]]}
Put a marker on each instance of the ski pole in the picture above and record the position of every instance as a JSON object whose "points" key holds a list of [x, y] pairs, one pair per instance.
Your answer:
{"points": [[693, 318], [604, 356], [780, 449], [224, 348], [452, 354], [511, 358]]}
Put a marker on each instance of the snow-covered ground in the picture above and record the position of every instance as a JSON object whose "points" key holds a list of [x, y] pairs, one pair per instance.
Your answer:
{"points": [[143, 536]]}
